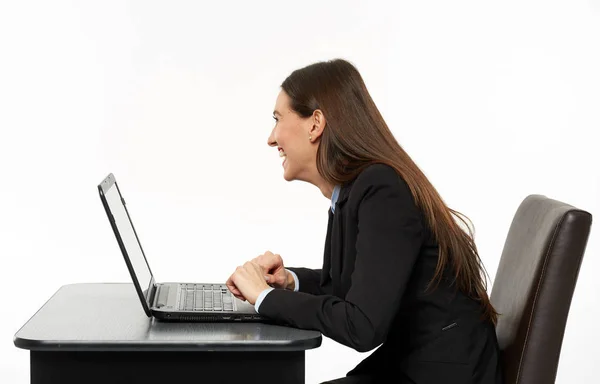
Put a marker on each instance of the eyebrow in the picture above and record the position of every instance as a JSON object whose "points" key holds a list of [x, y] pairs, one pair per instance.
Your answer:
{"points": [[276, 113]]}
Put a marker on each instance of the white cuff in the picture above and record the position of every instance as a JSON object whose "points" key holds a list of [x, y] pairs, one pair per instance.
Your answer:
{"points": [[296, 282], [261, 297]]}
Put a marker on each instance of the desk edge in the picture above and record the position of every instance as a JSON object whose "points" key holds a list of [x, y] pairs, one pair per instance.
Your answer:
{"points": [[86, 346]]}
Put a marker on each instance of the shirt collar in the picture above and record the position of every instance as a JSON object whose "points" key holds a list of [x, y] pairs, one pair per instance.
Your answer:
{"points": [[334, 197]]}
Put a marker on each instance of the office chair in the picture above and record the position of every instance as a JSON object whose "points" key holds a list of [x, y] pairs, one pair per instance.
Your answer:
{"points": [[534, 285]]}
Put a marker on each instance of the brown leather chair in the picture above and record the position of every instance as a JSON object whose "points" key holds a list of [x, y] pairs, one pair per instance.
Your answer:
{"points": [[534, 285]]}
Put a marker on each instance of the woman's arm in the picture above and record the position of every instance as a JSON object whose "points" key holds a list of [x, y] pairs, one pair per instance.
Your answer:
{"points": [[309, 281], [390, 234]]}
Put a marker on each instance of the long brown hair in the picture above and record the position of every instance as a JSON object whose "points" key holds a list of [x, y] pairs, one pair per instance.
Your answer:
{"points": [[357, 136]]}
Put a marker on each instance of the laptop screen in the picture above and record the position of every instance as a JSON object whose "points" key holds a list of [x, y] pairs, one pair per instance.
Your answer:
{"points": [[126, 231]]}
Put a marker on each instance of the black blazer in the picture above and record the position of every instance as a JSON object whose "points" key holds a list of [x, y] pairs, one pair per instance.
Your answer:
{"points": [[379, 256]]}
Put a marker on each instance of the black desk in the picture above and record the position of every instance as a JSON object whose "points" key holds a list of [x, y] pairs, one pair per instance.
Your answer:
{"points": [[98, 333]]}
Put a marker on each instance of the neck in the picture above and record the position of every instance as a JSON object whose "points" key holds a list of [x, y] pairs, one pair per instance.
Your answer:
{"points": [[313, 177], [326, 189]]}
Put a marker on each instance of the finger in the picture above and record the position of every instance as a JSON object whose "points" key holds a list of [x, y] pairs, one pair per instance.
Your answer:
{"points": [[233, 289], [281, 279], [240, 296], [271, 258], [266, 257], [230, 283], [231, 279]]}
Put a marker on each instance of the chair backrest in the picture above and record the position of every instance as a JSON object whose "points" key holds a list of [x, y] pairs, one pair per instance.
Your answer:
{"points": [[534, 285]]}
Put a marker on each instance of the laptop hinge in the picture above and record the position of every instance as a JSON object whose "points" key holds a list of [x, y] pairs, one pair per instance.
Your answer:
{"points": [[153, 294]]}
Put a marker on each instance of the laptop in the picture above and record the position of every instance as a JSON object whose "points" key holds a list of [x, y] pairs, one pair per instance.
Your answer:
{"points": [[201, 302]]}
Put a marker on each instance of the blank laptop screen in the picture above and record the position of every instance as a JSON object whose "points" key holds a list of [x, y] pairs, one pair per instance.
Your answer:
{"points": [[127, 233]]}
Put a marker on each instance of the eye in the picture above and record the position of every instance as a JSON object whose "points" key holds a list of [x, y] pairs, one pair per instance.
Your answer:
{"points": [[276, 119]]}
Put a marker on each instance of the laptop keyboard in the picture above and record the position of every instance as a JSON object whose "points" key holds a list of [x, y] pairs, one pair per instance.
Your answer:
{"points": [[205, 297]]}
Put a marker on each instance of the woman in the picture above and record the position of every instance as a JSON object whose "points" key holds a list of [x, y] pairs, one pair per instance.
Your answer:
{"points": [[399, 273]]}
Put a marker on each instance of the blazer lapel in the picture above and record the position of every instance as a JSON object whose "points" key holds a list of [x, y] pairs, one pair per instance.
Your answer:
{"points": [[326, 271], [337, 242]]}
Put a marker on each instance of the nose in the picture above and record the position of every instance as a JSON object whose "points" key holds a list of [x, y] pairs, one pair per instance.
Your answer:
{"points": [[271, 140]]}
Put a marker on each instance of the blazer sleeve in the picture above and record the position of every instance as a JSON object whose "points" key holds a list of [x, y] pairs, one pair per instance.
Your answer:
{"points": [[390, 234], [309, 280]]}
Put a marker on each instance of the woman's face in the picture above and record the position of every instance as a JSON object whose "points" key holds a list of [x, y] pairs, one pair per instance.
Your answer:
{"points": [[291, 137]]}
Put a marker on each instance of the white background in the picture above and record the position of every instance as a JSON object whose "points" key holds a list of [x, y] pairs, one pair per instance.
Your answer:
{"points": [[494, 101]]}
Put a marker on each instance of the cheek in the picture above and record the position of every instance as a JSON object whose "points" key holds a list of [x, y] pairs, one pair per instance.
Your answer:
{"points": [[280, 135], [290, 136], [285, 138]]}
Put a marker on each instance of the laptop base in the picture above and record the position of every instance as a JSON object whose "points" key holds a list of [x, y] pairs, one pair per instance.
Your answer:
{"points": [[208, 318], [170, 308]]}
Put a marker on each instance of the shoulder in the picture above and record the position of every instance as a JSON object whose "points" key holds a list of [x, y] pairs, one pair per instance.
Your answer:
{"points": [[377, 174], [379, 179]]}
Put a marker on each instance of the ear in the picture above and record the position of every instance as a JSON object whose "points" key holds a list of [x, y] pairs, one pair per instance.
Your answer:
{"points": [[318, 125]]}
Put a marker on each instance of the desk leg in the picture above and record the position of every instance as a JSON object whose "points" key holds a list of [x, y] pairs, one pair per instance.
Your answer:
{"points": [[49, 367]]}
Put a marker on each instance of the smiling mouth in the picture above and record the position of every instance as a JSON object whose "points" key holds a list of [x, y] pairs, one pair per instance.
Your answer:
{"points": [[282, 154]]}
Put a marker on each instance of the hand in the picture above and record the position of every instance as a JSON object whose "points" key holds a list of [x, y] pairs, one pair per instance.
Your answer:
{"points": [[272, 266], [247, 282]]}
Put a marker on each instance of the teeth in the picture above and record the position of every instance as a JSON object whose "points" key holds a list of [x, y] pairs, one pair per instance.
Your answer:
{"points": [[281, 154]]}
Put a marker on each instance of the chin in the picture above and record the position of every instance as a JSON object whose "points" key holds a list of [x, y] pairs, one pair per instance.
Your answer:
{"points": [[288, 175]]}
